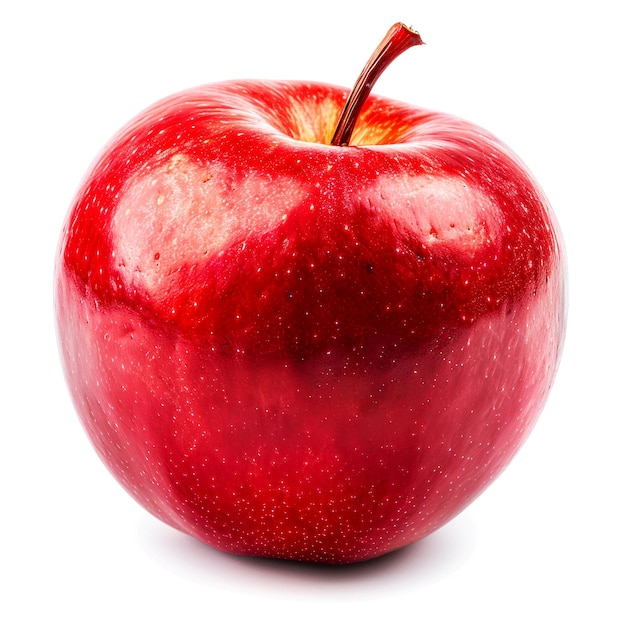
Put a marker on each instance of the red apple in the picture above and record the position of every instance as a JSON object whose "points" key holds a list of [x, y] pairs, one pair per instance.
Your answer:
{"points": [[293, 335]]}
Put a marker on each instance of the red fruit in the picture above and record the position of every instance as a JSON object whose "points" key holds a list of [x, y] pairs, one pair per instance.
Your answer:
{"points": [[301, 350]]}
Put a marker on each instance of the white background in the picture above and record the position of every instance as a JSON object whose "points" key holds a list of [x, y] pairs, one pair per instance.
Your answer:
{"points": [[544, 545]]}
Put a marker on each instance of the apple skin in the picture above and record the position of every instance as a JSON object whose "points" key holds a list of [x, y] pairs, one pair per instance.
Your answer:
{"points": [[296, 350]]}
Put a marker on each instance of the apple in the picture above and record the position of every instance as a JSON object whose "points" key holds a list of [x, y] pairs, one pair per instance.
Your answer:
{"points": [[306, 323]]}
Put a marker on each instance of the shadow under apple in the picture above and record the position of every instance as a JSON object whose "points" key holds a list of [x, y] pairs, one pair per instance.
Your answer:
{"points": [[417, 565]]}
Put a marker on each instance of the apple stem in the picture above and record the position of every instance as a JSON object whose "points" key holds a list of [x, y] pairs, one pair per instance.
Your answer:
{"points": [[398, 39]]}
